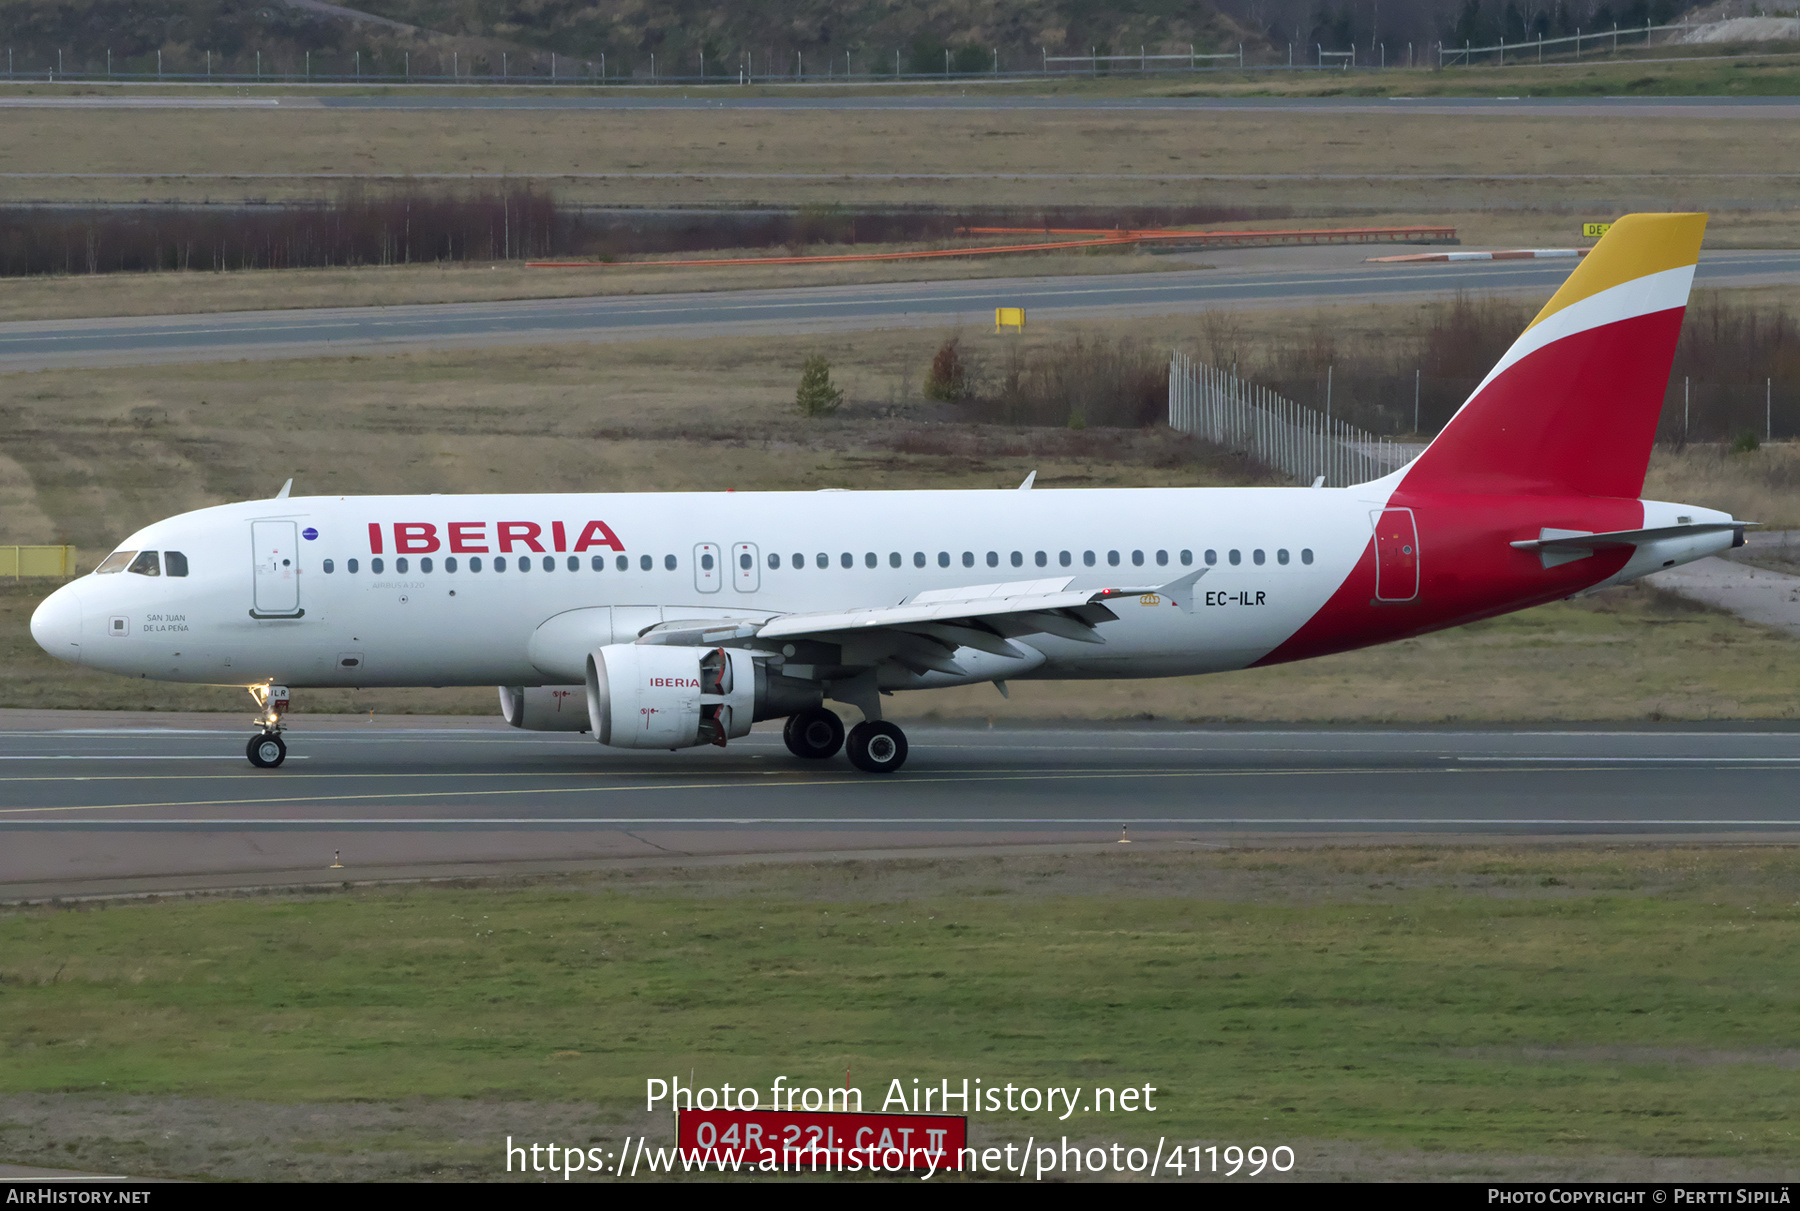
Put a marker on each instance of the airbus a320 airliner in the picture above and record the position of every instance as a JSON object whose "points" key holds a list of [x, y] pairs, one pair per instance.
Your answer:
{"points": [[666, 621]]}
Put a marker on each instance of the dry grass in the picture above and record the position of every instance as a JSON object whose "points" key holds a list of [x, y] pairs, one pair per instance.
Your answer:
{"points": [[989, 158], [998, 143]]}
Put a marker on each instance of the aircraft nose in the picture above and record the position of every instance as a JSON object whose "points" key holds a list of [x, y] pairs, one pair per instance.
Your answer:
{"points": [[56, 624]]}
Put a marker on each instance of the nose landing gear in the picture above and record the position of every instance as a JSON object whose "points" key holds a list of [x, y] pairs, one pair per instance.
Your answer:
{"points": [[267, 749]]}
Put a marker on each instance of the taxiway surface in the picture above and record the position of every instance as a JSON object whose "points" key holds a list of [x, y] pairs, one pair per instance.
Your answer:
{"points": [[121, 806], [229, 336]]}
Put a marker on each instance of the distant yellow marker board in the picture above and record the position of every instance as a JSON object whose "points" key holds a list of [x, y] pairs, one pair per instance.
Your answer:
{"points": [[1593, 231], [1009, 317]]}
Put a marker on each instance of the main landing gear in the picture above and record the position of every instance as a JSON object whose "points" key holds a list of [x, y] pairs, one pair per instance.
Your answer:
{"points": [[267, 749], [875, 746]]}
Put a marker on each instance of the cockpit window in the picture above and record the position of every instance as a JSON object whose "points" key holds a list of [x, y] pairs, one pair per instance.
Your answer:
{"points": [[146, 564], [115, 562], [174, 563]]}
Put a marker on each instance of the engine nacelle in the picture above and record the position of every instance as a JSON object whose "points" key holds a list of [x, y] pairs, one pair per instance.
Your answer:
{"points": [[654, 696], [545, 708], [643, 695]]}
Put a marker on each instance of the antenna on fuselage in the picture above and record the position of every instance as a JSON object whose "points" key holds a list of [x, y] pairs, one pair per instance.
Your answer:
{"points": [[282, 495]]}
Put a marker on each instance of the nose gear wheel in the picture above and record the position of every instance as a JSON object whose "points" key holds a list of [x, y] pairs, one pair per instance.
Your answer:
{"points": [[266, 751]]}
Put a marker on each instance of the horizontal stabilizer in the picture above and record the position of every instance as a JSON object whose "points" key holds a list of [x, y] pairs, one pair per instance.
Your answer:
{"points": [[1556, 547], [1575, 540]]}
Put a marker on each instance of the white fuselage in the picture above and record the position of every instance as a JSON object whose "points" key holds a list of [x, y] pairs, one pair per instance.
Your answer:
{"points": [[402, 617]]}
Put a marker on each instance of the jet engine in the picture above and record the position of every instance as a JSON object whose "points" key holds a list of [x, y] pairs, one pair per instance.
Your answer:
{"points": [[545, 708], [658, 696]]}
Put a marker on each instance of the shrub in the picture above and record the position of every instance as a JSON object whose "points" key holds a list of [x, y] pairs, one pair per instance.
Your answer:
{"points": [[817, 396], [948, 379], [1747, 443], [1084, 381]]}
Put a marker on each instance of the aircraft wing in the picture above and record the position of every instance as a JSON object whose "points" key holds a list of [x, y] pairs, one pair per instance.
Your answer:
{"points": [[995, 612], [923, 632]]}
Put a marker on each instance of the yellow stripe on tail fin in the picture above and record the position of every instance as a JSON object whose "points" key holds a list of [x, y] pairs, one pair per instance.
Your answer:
{"points": [[1636, 246]]}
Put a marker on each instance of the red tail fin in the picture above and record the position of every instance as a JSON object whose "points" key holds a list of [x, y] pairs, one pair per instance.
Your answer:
{"points": [[1572, 408]]}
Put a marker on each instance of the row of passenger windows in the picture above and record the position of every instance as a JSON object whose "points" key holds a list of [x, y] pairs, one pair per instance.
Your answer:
{"points": [[145, 563], [870, 559], [1017, 559], [402, 565]]}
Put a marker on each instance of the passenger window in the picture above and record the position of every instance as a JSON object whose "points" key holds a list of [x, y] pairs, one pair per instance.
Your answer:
{"points": [[622, 563], [474, 563], [1212, 557], [174, 563], [376, 565], [1112, 559], [1087, 559], [450, 563], [706, 562], [1018, 559], [1187, 557], [968, 559], [1281, 556], [400, 565], [869, 559], [893, 559], [146, 564], [549, 563], [847, 560], [1137, 559], [993, 559], [328, 567], [745, 562], [499, 563], [1042, 559], [598, 563], [669, 562], [1305, 554], [918, 559], [574, 563], [1256, 557], [524, 563], [1235, 558], [824, 560], [1064, 558], [115, 562], [645, 563], [775, 562], [350, 566], [943, 559], [425, 564], [1162, 559]]}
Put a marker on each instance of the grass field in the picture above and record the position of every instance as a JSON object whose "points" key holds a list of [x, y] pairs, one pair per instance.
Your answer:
{"points": [[949, 157], [1507, 1010]]}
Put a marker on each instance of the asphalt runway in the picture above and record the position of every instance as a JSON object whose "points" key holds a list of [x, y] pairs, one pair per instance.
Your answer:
{"points": [[229, 336], [132, 808]]}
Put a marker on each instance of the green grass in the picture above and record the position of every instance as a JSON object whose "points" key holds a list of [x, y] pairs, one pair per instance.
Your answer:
{"points": [[1553, 1002]]}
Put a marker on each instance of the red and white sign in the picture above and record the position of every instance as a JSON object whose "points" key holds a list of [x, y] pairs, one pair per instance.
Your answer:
{"points": [[828, 1141]]}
